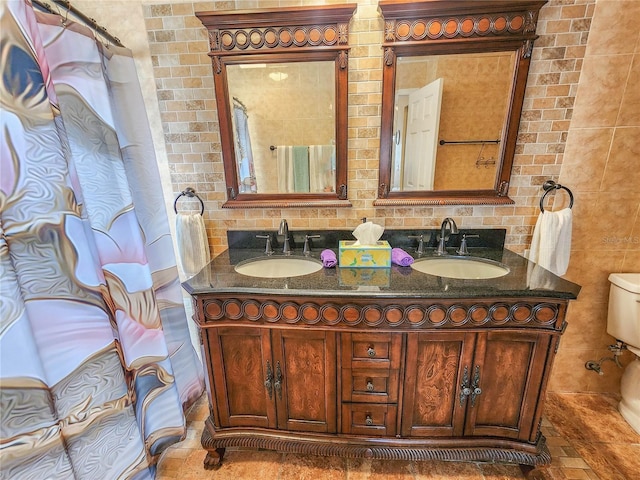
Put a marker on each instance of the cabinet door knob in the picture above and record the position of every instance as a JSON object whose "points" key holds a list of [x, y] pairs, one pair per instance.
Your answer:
{"points": [[474, 390], [369, 385], [371, 351], [368, 420]]}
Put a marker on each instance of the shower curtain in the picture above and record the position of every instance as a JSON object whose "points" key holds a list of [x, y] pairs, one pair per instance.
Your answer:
{"points": [[244, 153], [96, 363]]}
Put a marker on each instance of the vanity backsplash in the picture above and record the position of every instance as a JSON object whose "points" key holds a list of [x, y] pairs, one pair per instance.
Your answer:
{"points": [[493, 238]]}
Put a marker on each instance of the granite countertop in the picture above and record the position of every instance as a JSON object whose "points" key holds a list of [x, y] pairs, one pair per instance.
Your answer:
{"points": [[523, 280]]}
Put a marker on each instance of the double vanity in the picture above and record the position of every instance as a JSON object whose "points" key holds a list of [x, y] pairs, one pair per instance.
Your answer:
{"points": [[448, 358], [382, 363]]}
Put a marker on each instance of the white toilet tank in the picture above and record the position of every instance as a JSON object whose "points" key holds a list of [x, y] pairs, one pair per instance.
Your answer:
{"points": [[623, 320]]}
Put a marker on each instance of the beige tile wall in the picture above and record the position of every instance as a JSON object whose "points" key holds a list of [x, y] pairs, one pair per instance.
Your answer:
{"points": [[600, 141], [601, 165]]}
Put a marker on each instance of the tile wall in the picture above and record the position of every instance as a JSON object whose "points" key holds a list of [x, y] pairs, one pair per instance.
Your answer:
{"points": [[579, 126], [601, 164]]}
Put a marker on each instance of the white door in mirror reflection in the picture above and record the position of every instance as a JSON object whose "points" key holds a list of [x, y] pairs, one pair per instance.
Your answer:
{"points": [[417, 119]]}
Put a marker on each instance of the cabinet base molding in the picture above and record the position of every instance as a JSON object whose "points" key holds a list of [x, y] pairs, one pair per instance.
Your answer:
{"points": [[350, 447]]}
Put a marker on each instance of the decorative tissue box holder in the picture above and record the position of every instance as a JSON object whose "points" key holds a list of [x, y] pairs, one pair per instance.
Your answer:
{"points": [[371, 256]]}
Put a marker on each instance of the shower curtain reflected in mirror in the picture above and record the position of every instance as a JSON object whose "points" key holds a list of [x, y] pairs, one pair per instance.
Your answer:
{"points": [[96, 362], [244, 153]]}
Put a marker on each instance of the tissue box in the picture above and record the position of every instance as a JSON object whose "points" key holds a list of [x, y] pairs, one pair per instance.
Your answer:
{"points": [[364, 277], [372, 256]]}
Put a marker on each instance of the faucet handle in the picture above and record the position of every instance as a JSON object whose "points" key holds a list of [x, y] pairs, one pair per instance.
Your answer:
{"points": [[306, 250], [420, 249], [463, 250], [267, 249]]}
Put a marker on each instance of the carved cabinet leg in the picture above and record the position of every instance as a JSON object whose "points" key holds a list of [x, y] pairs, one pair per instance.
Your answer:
{"points": [[213, 460], [535, 473]]}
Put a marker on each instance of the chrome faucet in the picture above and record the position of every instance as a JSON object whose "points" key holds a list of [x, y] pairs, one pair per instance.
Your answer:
{"points": [[442, 249], [284, 230]]}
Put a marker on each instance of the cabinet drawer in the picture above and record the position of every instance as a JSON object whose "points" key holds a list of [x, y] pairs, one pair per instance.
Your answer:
{"points": [[367, 350], [369, 419], [370, 385]]}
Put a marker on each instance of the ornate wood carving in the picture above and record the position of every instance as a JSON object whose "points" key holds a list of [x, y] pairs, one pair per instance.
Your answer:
{"points": [[289, 203], [469, 200], [331, 447], [343, 61], [424, 314], [433, 28], [281, 38], [454, 20], [389, 56], [232, 34]]}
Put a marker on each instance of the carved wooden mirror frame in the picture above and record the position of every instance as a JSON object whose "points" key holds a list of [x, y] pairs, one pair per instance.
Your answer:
{"points": [[288, 34], [437, 27]]}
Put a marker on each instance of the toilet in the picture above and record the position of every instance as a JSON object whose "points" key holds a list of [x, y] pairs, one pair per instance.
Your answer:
{"points": [[623, 323]]}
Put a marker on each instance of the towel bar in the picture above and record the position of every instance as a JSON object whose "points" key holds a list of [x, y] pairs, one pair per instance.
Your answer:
{"points": [[468, 142], [189, 192], [550, 185]]}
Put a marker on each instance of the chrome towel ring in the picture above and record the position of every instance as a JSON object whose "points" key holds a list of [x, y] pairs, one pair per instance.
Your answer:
{"points": [[191, 193], [550, 185]]}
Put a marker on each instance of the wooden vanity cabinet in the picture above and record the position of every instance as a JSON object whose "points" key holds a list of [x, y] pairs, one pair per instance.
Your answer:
{"points": [[508, 367], [274, 378], [473, 384], [379, 378], [436, 362]]}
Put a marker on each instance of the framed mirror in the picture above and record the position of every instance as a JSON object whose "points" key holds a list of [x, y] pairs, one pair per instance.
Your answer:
{"points": [[453, 88], [280, 79]]}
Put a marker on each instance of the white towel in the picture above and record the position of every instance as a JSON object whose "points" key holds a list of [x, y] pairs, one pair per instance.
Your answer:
{"points": [[551, 242], [193, 245], [285, 168], [322, 178]]}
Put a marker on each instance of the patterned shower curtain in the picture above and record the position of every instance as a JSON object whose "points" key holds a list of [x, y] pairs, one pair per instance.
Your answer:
{"points": [[96, 362], [244, 154]]}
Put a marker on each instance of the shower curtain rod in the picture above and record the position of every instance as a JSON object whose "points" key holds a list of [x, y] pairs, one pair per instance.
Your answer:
{"points": [[90, 22]]}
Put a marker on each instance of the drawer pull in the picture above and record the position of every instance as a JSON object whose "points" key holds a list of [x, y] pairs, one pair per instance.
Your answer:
{"points": [[369, 385], [368, 420], [371, 351]]}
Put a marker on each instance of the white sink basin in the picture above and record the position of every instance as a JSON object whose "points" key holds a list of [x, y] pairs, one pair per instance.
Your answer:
{"points": [[460, 267], [278, 267]]}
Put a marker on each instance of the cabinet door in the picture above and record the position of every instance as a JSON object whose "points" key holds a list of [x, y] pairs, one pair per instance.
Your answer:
{"points": [[305, 376], [508, 368], [434, 369], [241, 363]]}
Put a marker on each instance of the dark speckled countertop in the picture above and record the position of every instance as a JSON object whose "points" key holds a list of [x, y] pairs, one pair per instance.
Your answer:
{"points": [[524, 279]]}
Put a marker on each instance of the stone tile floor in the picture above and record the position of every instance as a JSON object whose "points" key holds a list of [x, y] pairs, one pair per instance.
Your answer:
{"points": [[587, 438]]}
